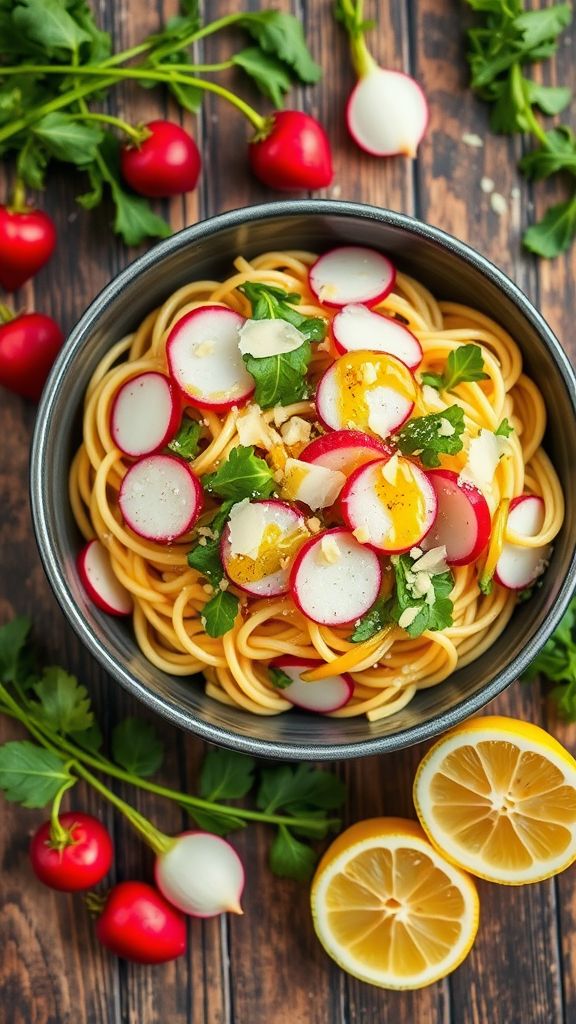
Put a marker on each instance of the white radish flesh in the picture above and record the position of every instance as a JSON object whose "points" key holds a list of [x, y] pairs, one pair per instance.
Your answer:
{"points": [[518, 567], [277, 534], [160, 498], [387, 113], [344, 450], [334, 579], [201, 874], [463, 521], [352, 273], [145, 414], [367, 391], [322, 696], [390, 504], [204, 358], [99, 581], [356, 327]]}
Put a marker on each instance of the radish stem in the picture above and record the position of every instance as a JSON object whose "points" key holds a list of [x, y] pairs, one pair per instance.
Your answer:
{"points": [[362, 59], [137, 134], [59, 837]]}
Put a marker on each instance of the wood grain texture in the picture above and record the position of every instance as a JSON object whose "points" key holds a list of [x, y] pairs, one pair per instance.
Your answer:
{"points": [[266, 967]]}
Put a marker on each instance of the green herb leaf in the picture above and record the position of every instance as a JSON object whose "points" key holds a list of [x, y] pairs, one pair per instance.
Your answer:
{"points": [[89, 739], [206, 557], [557, 661], [212, 821], [68, 139], [282, 35], [543, 25], [219, 614], [373, 621], [269, 303], [290, 858], [422, 435], [243, 475], [505, 429], [268, 73], [435, 616], [551, 99], [280, 380], [226, 775], [298, 789], [30, 775], [32, 163], [14, 636], [65, 704], [185, 444], [555, 232], [279, 678], [559, 154], [48, 23], [464, 364], [136, 747], [134, 220]]}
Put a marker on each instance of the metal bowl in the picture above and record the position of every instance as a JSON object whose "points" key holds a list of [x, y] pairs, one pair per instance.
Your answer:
{"points": [[451, 270]]}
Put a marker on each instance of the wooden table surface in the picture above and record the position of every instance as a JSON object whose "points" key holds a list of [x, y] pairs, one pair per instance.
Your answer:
{"points": [[266, 967]]}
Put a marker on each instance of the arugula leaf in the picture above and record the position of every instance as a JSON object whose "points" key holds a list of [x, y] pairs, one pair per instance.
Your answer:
{"points": [[280, 380], [282, 35], [226, 775], [464, 364], [65, 704], [279, 678], [48, 23], [13, 639], [67, 139], [555, 232], [300, 789], [505, 429], [30, 775], [430, 616], [206, 557], [136, 747], [219, 614], [373, 621], [290, 858], [269, 303], [243, 475], [423, 436], [185, 444], [268, 73]]}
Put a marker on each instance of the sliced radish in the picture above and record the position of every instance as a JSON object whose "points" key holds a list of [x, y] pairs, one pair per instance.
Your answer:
{"points": [[366, 391], [100, 583], [352, 273], [334, 579], [145, 414], [518, 567], [387, 113], [389, 504], [205, 361], [356, 327], [259, 544], [160, 498], [322, 696], [344, 450], [463, 521]]}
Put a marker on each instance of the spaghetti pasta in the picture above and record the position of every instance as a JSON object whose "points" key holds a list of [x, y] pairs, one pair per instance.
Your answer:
{"points": [[390, 667]]}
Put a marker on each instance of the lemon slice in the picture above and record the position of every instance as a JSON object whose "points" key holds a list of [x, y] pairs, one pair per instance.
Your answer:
{"points": [[498, 797], [389, 909]]}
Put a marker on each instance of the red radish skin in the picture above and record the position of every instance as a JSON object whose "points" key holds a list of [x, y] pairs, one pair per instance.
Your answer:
{"points": [[321, 697], [160, 498], [335, 594], [463, 522], [357, 327], [80, 861], [204, 359], [167, 163], [387, 113], [100, 583], [276, 583], [364, 509], [138, 924], [344, 450], [352, 274], [518, 567], [393, 406], [291, 152], [29, 345], [145, 414], [27, 241]]}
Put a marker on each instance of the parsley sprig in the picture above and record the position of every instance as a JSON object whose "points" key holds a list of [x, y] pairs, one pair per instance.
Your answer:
{"points": [[66, 746], [432, 614], [464, 364], [557, 661], [507, 39]]}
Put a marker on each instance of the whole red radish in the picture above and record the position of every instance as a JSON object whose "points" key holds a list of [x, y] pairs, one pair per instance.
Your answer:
{"points": [[165, 163], [137, 923], [29, 344], [74, 856], [27, 241], [291, 151]]}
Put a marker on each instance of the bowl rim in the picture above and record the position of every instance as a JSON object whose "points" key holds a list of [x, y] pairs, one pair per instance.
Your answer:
{"points": [[220, 734]]}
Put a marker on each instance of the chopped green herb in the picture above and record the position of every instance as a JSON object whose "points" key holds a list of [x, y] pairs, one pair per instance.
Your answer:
{"points": [[464, 364], [219, 614], [432, 615], [243, 475], [373, 621], [185, 444], [428, 436], [279, 678], [505, 429]]}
